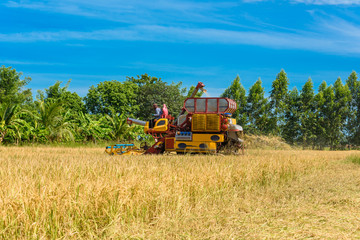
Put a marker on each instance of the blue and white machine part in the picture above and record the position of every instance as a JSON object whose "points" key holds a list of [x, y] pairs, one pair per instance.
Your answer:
{"points": [[183, 136]]}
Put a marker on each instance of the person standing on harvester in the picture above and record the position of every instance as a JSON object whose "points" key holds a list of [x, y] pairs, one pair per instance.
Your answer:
{"points": [[157, 115], [158, 111]]}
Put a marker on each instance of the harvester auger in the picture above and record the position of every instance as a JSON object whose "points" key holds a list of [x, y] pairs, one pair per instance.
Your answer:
{"points": [[203, 126]]}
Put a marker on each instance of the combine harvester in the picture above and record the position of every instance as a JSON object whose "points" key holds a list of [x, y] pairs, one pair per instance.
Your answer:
{"points": [[203, 126]]}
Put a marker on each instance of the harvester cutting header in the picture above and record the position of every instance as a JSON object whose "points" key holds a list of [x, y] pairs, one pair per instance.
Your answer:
{"points": [[203, 126]]}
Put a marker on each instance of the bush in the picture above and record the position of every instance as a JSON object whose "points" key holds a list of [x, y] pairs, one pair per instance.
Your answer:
{"points": [[354, 159]]}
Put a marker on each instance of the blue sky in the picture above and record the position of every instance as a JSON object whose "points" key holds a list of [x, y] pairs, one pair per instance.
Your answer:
{"points": [[90, 41]]}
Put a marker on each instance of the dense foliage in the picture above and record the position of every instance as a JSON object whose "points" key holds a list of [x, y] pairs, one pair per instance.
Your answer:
{"points": [[328, 117]]}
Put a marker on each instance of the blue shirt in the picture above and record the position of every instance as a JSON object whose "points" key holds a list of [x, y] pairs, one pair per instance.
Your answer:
{"points": [[158, 113]]}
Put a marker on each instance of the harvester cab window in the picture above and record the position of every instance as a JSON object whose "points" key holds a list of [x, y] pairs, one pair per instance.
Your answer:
{"points": [[182, 119], [189, 105], [160, 123], [200, 105], [212, 105], [223, 105]]}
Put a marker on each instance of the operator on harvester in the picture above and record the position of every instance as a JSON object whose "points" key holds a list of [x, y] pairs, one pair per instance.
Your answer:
{"points": [[157, 115]]}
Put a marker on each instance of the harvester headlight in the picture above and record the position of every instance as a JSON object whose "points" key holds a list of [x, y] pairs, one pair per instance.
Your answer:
{"points": [[224, 127]]}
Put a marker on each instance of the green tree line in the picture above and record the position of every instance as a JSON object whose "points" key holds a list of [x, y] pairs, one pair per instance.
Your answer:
{"points": [[328, 117], [59, 115]]}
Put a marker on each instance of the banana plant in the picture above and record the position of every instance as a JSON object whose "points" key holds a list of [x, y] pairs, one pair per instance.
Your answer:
{"points": [[117, 122], [9, 120], [89, 129], [57, 124]]}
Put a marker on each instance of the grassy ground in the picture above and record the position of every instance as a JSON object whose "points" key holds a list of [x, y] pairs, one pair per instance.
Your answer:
{"points": [[70, 193]]}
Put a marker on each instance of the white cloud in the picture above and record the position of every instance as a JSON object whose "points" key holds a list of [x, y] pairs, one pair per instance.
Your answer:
{"points": [[329, 35], [172, 68], [329, 2], [21, 62], [253, 1], [134, 11], [79, 82], [345, 37], [314, 2]]}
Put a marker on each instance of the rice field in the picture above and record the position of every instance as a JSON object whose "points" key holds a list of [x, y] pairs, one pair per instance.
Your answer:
{"points": [[81, 193]]}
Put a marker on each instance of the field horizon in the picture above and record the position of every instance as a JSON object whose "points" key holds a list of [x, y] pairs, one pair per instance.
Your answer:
{"points": [[82, 193]]}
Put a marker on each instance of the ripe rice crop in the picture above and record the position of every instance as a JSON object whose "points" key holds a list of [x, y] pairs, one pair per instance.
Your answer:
{"points": [[81, 193]]}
